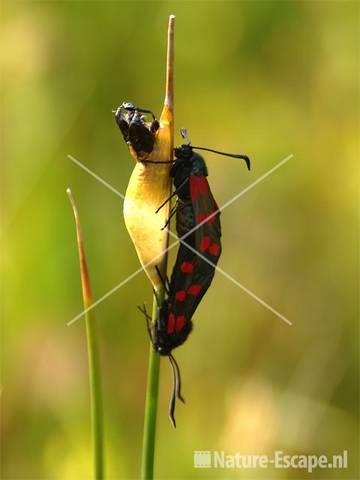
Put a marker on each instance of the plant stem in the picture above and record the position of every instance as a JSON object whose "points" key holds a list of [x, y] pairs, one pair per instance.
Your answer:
{"points": [[147, 464], [93, 356], [95, 397], [152, 389], [169, 88]]}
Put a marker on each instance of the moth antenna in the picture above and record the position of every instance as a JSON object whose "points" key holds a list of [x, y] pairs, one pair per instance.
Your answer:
{"points": [[178, 390], [233, 155], [174, 394]]}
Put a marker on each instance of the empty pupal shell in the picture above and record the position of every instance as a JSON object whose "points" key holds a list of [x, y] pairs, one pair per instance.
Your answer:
{"points": [[150, 183]]}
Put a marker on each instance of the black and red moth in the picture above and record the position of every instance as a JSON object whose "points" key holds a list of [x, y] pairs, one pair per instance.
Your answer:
{"points": [[199, 230]]}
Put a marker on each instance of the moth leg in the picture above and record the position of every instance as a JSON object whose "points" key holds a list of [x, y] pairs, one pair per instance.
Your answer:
{"points": [[162, 281], [167, 282], [172, 213], [145, 110], [148, 319], [155, 125], [175, 192], [156, 295]]}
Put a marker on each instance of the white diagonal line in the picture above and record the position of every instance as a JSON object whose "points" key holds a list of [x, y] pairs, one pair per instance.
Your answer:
{"points": [[110, 292], [121, 284], [99, 179], [252, 185], [233, 199], [99, 300], [229, 277], [178, 240], [215, 212]]}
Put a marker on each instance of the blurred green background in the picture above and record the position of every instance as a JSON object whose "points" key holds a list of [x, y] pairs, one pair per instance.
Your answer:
{"points": [[265, 78]]}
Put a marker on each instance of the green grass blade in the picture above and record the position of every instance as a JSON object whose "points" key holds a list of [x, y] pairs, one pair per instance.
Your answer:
{"points": [[93, 355], [147, 466]]}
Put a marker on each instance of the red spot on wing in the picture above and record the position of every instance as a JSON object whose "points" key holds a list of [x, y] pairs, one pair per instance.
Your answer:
{"points": [[205, 243], [186, 267], [202, 216], [212, 218], [180, 322], [214, 249], [180, 295], [198, 186], [194, 186], [203, 186], [194, 289], [170, 323]]}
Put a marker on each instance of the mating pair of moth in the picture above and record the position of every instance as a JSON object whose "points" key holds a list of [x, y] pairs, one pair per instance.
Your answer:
{"points": [[198, 228]]}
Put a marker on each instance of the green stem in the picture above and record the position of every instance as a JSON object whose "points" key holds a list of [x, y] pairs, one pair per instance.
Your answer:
{"points": [[93, 356], [152, 389], [95, 397]]}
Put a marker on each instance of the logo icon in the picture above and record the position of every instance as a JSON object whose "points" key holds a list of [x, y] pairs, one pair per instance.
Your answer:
{"points": [[202, 459]]}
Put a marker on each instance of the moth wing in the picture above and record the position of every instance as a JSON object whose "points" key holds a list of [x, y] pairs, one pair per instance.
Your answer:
{"points": [[193, 274], [208, 235]]}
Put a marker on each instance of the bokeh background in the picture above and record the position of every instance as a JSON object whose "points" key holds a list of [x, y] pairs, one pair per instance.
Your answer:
{"points": [[265, 78]]}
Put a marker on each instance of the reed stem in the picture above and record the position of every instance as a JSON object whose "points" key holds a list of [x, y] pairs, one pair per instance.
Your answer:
{"points": [[93, 355], [152, 389], [95, 397], [147, 464]]}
